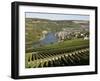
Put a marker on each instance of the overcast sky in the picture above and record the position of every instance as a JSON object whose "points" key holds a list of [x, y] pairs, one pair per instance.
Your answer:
{"points": [[56, 16]]}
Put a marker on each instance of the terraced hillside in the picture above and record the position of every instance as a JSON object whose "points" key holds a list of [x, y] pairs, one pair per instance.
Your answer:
{"points": [[69, 53]]}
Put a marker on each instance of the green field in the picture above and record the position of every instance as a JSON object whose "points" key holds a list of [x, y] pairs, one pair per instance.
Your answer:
{"points": [[65, 44]]}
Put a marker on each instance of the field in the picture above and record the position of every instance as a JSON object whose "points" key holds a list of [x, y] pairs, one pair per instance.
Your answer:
{"points": [[69, 53]]}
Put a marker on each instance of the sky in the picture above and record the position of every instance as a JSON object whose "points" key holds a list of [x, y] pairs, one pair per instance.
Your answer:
{"points": [[54, 16]]}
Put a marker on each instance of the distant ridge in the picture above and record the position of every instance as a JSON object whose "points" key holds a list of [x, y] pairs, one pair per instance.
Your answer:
{"points": [[54, 20]]}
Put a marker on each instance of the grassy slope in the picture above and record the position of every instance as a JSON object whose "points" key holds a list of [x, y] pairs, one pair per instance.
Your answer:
{"points": [[65, 44]]}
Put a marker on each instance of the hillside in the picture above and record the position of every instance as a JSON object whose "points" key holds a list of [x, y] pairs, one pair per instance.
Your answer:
{"points": [[34, 27]]}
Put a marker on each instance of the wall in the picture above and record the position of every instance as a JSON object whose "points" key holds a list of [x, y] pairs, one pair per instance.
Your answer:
{"points": [[5, 40]]}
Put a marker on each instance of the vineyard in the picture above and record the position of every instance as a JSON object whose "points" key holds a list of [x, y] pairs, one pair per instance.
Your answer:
{"points": [[75, 52]]}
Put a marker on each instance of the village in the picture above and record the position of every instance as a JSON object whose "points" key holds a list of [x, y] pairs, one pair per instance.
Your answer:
{"points": [[68, 34]]}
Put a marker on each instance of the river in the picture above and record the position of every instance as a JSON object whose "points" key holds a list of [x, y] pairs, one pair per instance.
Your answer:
{"points": [[50, 38]]}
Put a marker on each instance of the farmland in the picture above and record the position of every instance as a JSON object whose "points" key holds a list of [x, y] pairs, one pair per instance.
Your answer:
{"points": [[77, 50]]}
